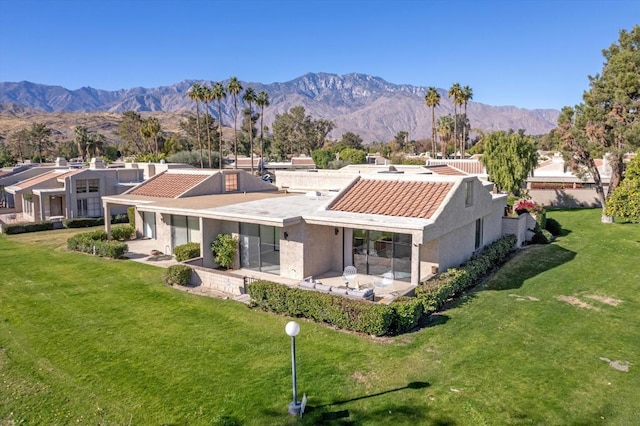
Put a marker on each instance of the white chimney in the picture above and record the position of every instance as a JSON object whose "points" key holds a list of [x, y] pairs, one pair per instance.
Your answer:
{"points": [[96, 163]]}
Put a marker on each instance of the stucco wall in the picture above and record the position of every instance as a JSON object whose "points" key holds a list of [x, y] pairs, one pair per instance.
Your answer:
{"points": [[492, 227], [210, 229], [456, 246], [292, 252], [566, 197], [429, 258], [516, 226], [308, 181], [323, 250]]}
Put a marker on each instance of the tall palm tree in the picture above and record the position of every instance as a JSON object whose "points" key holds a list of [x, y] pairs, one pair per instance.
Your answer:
{"points": [[262, 101], [194, 95], [218, 93], [454, 92], [445, 126], [206, 96], [249, 98], [81, 138], [467, 95], [432, 100], [234, 88]]}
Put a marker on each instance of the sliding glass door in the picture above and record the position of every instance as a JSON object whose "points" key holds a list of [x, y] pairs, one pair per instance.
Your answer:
{"points": [[377, 252], [260, 248]]}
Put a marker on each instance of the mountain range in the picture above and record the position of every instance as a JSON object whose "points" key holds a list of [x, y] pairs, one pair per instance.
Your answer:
{"points": [[363, 104]]}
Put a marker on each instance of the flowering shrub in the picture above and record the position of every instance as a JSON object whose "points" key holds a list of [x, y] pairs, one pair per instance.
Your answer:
{"points": [[528, 206]]}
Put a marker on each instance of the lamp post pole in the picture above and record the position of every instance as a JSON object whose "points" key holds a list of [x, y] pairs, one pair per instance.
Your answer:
{"points": [[292, 329]]}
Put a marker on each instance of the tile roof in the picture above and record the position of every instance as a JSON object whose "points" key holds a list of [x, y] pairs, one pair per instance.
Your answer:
{"points": [[56, 174], [443, 169], [169, 185], [302, 161], [472, 167], [393, 198]]}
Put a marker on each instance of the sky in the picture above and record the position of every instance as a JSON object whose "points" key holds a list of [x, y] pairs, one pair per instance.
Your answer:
{"points": [[525, 53]]}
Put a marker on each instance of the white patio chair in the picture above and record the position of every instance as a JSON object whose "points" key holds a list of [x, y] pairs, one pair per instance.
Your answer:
{"points": [[350, 273]]}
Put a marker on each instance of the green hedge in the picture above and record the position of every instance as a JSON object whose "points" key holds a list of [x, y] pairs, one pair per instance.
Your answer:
{"points": [[83, 222], [186, 251], [177, 275], [122, 232], [96, 243], [131, 214], [21, 228], [435, 292], [341, 312]]}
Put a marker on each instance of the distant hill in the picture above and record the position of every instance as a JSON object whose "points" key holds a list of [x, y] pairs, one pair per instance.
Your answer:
{"points": [[366, 105]]}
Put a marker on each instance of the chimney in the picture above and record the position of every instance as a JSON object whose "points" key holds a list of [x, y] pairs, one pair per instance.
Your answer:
{"points": [[96, 163], [61, 162]]}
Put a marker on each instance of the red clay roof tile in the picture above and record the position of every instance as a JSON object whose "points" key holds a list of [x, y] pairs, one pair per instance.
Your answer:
{"points": [[393, 198], [169, 185]]}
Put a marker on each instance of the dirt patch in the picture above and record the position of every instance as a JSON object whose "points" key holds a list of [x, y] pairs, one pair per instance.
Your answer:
{"points": [[364, 379], [605, 299], [524, 298], [576, 302], [618, 365]]}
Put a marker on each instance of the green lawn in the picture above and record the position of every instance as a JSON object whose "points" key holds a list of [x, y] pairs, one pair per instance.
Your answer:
{"points": [[87, 340]]}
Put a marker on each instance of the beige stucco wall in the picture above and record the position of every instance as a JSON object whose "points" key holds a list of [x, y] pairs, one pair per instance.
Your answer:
{"points": [[456, 246], [566, 197], [317, 181], [492, 225], [322, 251], [429, 258], [516, 226], [292, 251]]}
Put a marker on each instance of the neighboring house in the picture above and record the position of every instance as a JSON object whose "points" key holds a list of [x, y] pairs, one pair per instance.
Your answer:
{"points": [[413, 225], [70, 193], [554, 184], [11, 176]]}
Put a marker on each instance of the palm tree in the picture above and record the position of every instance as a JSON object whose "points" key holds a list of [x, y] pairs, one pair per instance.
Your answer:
{"points": [[206, 97], [234, 88], [194, 94], [262, 101], [218, 93], [249, 98], [467, 95], [432, 100], [454, 92], [81, 139], [445, 126]]}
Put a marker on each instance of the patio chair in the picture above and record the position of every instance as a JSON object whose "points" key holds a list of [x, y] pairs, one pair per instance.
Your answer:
{"points": [[349, 274], [387, 281]]}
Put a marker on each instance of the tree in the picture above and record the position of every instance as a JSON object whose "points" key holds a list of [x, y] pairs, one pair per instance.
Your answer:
{"points": [[445, 128], [322, 157], [150, 130], [608, 121], [218, 93], [18, 144], [624, 202], [95, 144], [234, 88], [401, 139], [262, 101], [248, 131], [432, 100], [466, 95], [129, 131], [39, 138], [509, 158], [81, 138], [249, 98], [195, 94], [353, 156], [295, 132], [455, 92], [206, 96], [351, 140]]}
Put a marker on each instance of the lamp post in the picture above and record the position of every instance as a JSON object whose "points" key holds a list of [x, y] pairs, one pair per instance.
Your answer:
{"points": [[292, 329]]}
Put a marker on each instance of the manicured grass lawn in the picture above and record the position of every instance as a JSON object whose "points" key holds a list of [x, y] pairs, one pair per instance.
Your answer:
{"points": [[86, 340]]}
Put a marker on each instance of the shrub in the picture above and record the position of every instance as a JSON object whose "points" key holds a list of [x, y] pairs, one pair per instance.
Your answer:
{"points": [[119, 218], [21, 228], [131, 214], [554, 227], [408, 311], [186, 251], [224, 250], [96, 243], [83, 222], [542, 237], [177, 275], [434, 293], [339, 311], [122, 232]]}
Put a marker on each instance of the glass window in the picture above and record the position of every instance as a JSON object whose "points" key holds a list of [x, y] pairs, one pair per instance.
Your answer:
{"points": [[81, 186], [479, 226], [377, 252], [469, 194], [94, 185], [260, 247], [89, 207], [231, 182]]}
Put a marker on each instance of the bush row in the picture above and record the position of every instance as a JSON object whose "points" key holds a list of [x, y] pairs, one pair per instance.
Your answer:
{"points": [[186, 251], [96, 243], [21, 228], [122, 232], [342, 312], [435, 292]]}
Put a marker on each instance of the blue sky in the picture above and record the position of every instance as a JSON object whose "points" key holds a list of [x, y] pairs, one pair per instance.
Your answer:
{"points": [[531, 54]]}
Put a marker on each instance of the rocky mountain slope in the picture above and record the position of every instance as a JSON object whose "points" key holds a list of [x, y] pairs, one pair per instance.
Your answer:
{"points": [[363, 104]]}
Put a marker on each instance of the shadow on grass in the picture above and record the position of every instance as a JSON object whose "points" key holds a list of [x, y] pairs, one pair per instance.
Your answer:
{"points": [[527, 264]]}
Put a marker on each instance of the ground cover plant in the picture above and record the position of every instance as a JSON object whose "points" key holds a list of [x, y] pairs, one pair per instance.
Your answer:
{"points": [[552, 338]]}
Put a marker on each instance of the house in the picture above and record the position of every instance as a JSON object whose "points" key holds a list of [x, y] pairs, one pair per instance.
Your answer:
{"points": [[13, 175], [412, 225], [64, 192], [553, 183]]}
